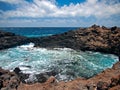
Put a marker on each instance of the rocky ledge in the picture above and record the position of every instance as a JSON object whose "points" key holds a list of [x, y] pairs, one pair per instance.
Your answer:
{"points": [[94, 38], [8, 40]]}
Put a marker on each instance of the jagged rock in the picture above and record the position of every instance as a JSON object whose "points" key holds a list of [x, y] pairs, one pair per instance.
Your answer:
{"points": [[114, 28], [103, 27], [94, 38], [8, 40], [115, 81], [102, 85], [1, 83], [17, 70], [33, 78], [8, 80]]}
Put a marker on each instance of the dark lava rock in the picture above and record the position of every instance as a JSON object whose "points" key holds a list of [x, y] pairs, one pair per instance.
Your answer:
{"points": [[8, 40], [43, 77], [102, 85], [34, 78], [22, 76], [94, 38], [17, 70]]}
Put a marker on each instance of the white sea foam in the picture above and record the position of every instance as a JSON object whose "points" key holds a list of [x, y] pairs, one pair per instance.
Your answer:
{"points": [[27, 47]]}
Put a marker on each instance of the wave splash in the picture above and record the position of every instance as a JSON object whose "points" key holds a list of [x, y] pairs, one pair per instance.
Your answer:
{"points": [[68, 63]]}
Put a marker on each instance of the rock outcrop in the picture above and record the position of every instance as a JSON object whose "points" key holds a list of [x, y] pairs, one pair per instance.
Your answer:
{"points": [[8, 40], [30, 79], [94, 38]]}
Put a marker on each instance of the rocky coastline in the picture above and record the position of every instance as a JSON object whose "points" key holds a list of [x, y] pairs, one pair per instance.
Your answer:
{"points": [[94, 38], [9, 40]]}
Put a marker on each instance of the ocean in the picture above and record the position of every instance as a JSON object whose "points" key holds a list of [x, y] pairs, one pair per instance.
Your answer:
{"points": [[68, 63], [37, 31]]}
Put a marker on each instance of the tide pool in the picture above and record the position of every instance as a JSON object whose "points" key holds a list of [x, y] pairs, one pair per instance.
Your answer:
{"points": [[69, 63]]}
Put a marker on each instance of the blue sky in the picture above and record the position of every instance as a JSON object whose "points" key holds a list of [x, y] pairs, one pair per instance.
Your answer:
{"points": [[59, 13]]}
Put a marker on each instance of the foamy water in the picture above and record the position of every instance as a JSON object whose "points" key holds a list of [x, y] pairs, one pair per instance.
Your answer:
{"points": [[68, 62]]}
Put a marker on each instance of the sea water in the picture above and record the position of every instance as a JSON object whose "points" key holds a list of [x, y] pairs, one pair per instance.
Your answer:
{"points": [[69, 63], [37, 31]]}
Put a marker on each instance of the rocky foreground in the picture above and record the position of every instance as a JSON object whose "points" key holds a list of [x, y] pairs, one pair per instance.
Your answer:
{"points": [[94, 38], [106, 80]]}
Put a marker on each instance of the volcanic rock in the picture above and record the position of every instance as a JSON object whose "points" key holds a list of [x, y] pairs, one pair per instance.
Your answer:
{"points": [[94, 38], [8, 40], [106, 80], [8, 80]]}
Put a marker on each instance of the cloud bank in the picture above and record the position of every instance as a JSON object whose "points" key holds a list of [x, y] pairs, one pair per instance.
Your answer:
{"points": [[98, 9]]}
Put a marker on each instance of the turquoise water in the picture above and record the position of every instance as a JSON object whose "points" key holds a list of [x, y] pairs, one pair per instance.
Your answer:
{"points": [[69, 63]]}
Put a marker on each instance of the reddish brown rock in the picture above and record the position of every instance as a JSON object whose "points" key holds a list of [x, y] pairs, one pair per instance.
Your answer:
{"points": [[94, 38], [115, 88], [8, 80], [106, 80]]}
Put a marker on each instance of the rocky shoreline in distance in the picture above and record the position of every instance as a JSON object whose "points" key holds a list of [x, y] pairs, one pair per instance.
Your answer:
{"points": [[94, 38]]}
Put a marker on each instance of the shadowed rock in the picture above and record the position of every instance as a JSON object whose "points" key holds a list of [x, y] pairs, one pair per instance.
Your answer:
{"points": [[8, 40], [8, 80]]}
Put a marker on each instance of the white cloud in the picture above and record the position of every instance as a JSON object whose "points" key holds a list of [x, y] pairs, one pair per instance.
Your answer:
{"points": [[48, 8], [47, 13]]}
